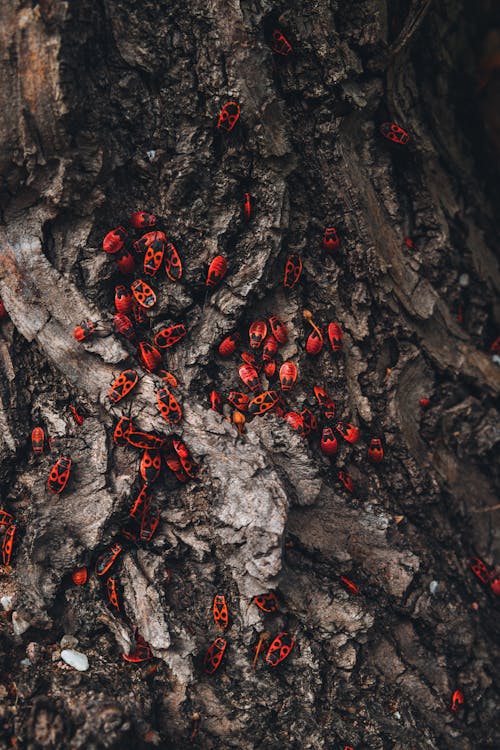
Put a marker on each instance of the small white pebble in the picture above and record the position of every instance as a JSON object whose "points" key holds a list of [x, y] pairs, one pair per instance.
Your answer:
{"points": [[433, 586], [75, 659], [496, 359], [151, 154], [25, 663], [464, 279], [397, 715], [19, 624], [7, 601]]}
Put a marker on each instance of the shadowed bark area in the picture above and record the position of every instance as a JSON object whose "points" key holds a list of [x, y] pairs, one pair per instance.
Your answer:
{"points": [[112, 107]]}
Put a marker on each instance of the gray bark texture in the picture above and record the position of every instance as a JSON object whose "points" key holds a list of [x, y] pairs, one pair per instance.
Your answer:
{"points": [[111, 107]]}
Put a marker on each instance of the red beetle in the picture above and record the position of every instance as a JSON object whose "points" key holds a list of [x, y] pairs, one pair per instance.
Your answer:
{"points": [[6, 519], [150, 467], [213, 657], [169, 379], [269, 348], [346, 479], [350, 586], [112, 591], [144, 295], [335, 335], [394, 133], [480, 570], [173, 263], [3, 311], [309, 421], [220, 611], [148, 356], [84, 330], [249, 358], [124, 326], [79, 576], [141, 652], [144, 440], [375, 451], [59, 475], [149, 523], [168, 406], [114, 240], [280, 45], [153, 257], [249, 375], [349, 432], [140, 316], [122, 386], [37, 440], [216, 271], [8, 544], [141, 220], [257, 333], [141, 503], [188, 464], [216, 401], [328, 443], [77, 415], [125, 262], [149, 239], [123, 299], [270, 368], [247, 206], [123, 427], [330, 239], [263, 403], [314, 343], [229, 116], [457, 699], [266, 602], [408, 242], [495, 584], [495, 347], [424, 402], [228, 345], [325, 402], [278, 329], [169, 336], [239, 400], [279, 649], [293, 270], [295, 421], [288, 375]]}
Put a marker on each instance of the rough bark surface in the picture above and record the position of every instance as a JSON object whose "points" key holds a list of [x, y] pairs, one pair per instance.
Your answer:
{"points": [[111, 107]]}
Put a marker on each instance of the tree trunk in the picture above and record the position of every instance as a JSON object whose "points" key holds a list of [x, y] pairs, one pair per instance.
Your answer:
{"points": [[112, 107]]}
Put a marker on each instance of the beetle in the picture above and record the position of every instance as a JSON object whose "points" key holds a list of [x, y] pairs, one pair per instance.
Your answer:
{"points": [[457, 699], [173, 264], [168, 406], [153, 257], [140, 315], [229, 116], [295, 421], [3, 311], [263, 403], [174, 464], [309, 421], [77, 415], [169, 336], [143, 294], [123, 299], [216, 271], [141, 219], [124, 326], [247, 206], [59, 475], [141, 503], [214, 654], [239, 400], [375, 451], [349, 432], [149, 523], [188, 464], [125, 262], [350, 586], [8, 544], [266, 602], [495, 347], [114, 240], [144, 440], [168, 377], [293, 270], [37, 440], [249, 358], [123, 427], [330, 239], [269, 348], [270, 368], [107, 559], [325, 402], [148, 239], [279, 649], [6, 519], [79, 576], [280, 45], [335, 335], [122, 386], [328, 443], [495, 584], [84, 330], [394, 133], [112, 589], [220, 611], [141, 652], [148, 356], [480, 569], [314, 343], [288, 375], [249, 375], [257, 333], [216, 401], [346, 480], [278, 329], [150, 466], [228, 345], [424, 402]]}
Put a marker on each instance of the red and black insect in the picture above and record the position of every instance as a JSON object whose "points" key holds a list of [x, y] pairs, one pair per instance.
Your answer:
{"points": [[257, 333], [250, 377], [394, 133], [59, 475], [279, 649], [495, 583], [350, 586], [293, 270], [239, 400], [8, 544], [270, 368], [269, 348], [143, 294], [123, 299], [349, 432], [375, 451], [189, 466], [325, 402], [3, 311], [80, 576], [249, 358], [229, 116], [38, 440], [114, 240], [107, 559], [141, 220], [123, 427], [457, 699], [169, 336], [346, 480], [173, 264], [174, 464], [330, 239], [314, 343], [150, 467], [480, 569], [263, 403], [216, 401], [280, 45], [125, 262], [144, 440], [141, 652], [278, 329], [168, 406], [112, 590], [122, 386], [220, 611], [288, 375], [149, 523], [228, 345], [309, 421], [148, 239], [213, 657], [5, 518], [84, 330], [247, 206], [77, 413], [169, 379], [216, 271], [266, 602], [335, 335], [124, 326], [141, 503], [295, 421], [153, 257], [328, 443], [148, 356]]}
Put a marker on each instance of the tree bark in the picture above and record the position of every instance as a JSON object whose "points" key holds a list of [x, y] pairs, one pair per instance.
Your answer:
{"points": [[112, 107]]}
